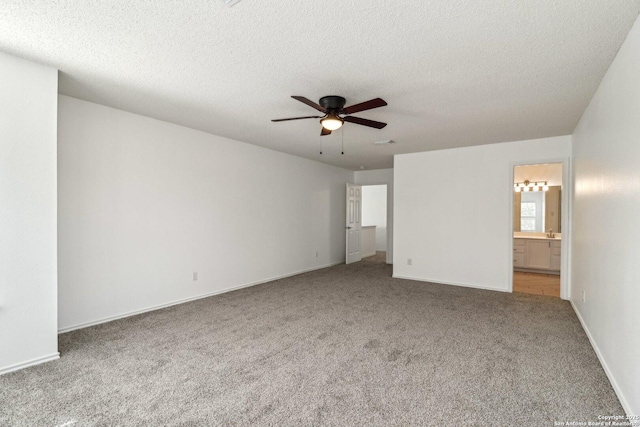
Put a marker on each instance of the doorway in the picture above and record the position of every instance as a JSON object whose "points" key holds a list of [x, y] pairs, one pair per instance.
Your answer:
{"points": [[377, 233], [374, 221], [539, 222]]}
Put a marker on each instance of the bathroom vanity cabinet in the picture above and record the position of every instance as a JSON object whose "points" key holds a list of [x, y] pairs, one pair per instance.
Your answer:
{"points": [[537, 254]]}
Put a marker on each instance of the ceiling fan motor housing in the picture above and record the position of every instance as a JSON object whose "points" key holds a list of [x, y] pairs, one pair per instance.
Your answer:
{"points": [[333, 102]]}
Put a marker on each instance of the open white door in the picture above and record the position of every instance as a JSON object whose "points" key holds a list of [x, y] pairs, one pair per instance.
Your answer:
{"points": [[354, 222]]}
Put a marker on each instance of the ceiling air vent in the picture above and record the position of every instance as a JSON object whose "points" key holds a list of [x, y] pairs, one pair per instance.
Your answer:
{"points": [[231, 2], [385, 142]]}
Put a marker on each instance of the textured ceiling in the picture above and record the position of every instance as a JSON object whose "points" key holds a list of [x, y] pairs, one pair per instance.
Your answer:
{"points": [[454, 73]]}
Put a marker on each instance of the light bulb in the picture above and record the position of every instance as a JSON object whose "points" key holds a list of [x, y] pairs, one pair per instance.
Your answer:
{"points": [[517, 189], [331, 122]]}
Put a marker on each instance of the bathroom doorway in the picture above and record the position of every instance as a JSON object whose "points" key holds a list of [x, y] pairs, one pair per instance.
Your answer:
{"points": [[538, 220]]}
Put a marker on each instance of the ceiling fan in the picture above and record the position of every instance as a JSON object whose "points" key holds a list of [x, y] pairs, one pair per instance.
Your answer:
{"points": [[333, 107]]}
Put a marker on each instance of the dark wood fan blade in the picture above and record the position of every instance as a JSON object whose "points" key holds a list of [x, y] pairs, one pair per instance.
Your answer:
{"points": [[374, 103], [310, 103], [324, 132], [364, 122], [297, 118]]}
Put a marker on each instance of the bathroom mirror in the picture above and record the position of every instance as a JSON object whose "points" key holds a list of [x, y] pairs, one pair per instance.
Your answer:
{"points": [[537, 211]]}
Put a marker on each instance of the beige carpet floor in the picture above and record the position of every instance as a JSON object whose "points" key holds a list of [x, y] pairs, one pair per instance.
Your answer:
{"points": [[342, 346]]}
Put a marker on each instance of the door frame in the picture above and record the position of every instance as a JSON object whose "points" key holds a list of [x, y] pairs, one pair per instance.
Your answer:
{"points": [[565, 245]]}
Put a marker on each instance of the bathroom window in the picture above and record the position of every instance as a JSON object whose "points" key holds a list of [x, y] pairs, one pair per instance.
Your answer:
{"points": [[528, 216], [532, 211]]}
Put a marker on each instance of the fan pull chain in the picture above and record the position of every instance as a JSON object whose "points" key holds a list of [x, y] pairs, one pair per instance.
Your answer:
{"points": [[321, 145], [342, 133]]}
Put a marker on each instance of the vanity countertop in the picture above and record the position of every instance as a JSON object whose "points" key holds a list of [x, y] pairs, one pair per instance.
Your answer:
{"points": [[536, 236]]}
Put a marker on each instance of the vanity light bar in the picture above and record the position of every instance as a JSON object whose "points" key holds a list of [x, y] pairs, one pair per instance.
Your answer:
{"points": [[526, 185]]}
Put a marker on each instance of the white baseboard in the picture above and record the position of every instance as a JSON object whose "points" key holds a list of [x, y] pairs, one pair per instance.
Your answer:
{"points": [[612, 380], [369, 254], [464, 285], [28, 363], [182, 301]]}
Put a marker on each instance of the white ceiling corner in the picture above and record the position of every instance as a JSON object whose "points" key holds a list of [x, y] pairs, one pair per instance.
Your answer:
{"points": [[453, 73]]}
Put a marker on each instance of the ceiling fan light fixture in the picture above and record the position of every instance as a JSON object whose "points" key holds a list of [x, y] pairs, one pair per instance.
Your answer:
{"points": [[331, 122]]}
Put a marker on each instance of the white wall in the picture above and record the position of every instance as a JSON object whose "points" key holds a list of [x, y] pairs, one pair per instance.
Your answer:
{"points": [[374, 212], [453, 211], [28, 283], [144, 203], [381, 176], [606, 222]]}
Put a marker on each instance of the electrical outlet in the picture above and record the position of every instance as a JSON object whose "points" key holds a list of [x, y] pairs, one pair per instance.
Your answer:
{"points": [[409, 261], [584, 296], [195, 276]]}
